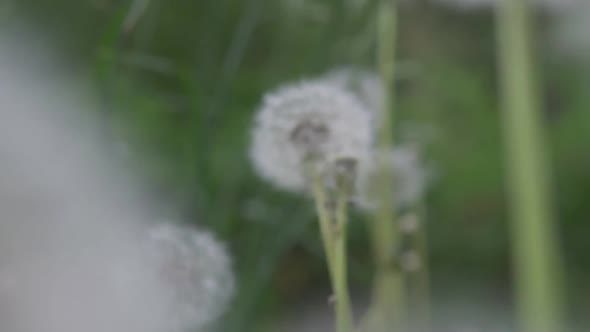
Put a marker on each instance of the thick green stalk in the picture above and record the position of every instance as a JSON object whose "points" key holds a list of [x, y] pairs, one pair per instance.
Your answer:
{"points": [[387, 308], [535, 246]]}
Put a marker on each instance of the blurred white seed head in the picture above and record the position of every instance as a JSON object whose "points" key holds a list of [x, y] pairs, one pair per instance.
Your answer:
{"points": [[74, 252], [365, 85], [197, 271], [410, 176], [308, 122], [70, 252]]}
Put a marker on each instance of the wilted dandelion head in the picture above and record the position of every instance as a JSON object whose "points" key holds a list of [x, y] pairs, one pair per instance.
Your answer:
{"points": [[410, 176], [310, 122], [197, 271]]}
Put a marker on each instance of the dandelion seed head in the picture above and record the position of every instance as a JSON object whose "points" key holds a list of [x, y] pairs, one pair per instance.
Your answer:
{"points": [[345, 168], [310, 136], [342, 175], [307, 121], [197, 270], [365, 85], [410, 176]]}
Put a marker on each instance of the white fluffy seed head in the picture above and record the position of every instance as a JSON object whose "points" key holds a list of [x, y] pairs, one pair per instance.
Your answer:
{"points": [[197, 270], [309, 121], [365, 85], [410, 177]]}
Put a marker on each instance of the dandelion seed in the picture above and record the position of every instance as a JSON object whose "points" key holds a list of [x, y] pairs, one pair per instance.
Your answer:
{"points": [[197, 271], [309, 122]]}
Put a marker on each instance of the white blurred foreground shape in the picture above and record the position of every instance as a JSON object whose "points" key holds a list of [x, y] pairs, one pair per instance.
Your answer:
{"points": [[72, 230]]}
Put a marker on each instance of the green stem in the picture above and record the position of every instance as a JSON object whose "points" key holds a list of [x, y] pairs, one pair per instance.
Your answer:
{"points": [[419, 283], [387, 308], [535, 246], [333, 231], [324, 218], [343, 308]]}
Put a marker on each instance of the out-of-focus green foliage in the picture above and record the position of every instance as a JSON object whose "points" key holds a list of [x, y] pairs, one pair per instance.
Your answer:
{"points": [[179, 88]]}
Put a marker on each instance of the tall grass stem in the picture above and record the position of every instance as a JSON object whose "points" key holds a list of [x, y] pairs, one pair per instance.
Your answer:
{"points": [[387, 308], [535, 247]]}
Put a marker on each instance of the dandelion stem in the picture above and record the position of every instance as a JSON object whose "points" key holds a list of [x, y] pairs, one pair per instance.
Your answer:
{"points": [[387, 307], [343, 308], [324, 218], [333, 230], [420, 283], [535, 248]]}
